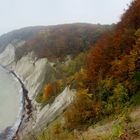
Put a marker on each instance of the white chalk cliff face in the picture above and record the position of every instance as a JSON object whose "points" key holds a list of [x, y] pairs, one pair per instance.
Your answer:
{"points": [[50, 112], [32, 72], [8, 56]]}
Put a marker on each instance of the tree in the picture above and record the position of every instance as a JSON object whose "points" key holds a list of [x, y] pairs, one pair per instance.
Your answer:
{"points": [[82, 111], [99, 58], [48, 91]]}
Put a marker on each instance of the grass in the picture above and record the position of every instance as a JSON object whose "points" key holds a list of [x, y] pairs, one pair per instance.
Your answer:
{"points": [[56, 132]]}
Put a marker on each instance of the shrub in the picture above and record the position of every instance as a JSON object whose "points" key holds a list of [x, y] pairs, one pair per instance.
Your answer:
{"points": [[82, 112]]}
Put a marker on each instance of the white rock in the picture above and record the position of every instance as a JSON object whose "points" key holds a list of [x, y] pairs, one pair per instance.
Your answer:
{"points": [[50, 112], [8, 55], [32, 71]]}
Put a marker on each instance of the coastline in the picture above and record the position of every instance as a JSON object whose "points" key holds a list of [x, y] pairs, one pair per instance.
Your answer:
{"points": [[25, 111], [27, 106]]}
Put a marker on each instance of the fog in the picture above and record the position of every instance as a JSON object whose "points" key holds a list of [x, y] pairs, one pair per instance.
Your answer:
{"points": [[20, 13]]}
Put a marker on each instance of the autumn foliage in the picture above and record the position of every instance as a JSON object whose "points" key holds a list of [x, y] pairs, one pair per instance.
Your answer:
{"points": [[116, 54], [106, 75], [48, 91], [112, 72], [56, 42], [82, 111]]}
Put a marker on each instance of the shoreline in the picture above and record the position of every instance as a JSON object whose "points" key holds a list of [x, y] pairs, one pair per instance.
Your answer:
{"points": [[25, 111], [27, 106]]}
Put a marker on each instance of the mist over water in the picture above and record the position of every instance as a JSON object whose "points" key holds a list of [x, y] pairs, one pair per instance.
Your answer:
{"points": [[9, 99]]}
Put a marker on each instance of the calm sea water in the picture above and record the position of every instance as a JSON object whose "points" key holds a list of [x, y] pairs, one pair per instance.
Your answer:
{"points": [[10, 99]]}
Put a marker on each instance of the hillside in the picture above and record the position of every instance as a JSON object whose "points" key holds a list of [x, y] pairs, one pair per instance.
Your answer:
{"points": [[107, 85], [61, 40], [19, 35], [45, 60], [83, 80]]}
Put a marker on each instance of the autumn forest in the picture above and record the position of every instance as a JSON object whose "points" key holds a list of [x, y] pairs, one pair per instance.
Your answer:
{"points": [[100, 64], [105, 74]]}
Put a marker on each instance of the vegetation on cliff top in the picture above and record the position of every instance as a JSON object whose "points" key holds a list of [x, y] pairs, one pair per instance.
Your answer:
{"points": [[101, 62], [56, 42], [108, 80]]}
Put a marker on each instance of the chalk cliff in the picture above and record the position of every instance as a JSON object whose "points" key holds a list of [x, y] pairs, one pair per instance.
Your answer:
{"points": [[32, 71]]}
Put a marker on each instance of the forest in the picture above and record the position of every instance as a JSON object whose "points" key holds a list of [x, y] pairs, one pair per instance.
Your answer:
{"points": [[105, 74], [101, 63]]}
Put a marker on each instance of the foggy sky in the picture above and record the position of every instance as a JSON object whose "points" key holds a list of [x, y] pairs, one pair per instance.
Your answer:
{"points": [[15, 14]]}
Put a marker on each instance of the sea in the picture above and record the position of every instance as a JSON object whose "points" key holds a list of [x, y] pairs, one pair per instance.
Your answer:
{"points": [[10, 102]]}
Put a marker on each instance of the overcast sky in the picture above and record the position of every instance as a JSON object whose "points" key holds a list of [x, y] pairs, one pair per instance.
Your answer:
{"points": [[15, 14]]}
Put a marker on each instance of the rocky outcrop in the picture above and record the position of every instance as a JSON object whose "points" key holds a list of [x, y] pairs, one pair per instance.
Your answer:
{"points": [[31, 70], [8, 56], [50, 112]]}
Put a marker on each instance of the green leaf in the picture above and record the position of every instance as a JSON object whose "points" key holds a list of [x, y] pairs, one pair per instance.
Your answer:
{"points": [[137, 75]]}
